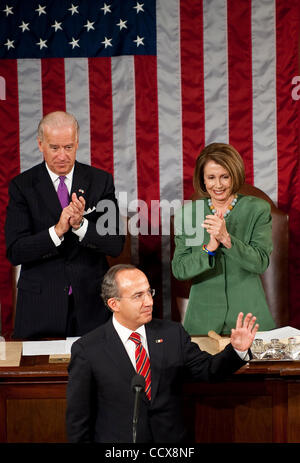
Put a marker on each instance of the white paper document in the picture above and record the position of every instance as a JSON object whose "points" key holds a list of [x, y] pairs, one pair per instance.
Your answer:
{"points": [[61, 347], [279, 333], [2, 349]]}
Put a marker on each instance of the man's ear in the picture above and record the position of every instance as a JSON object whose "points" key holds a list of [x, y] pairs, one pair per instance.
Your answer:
{"points": [[113, 304], [40, 144]]}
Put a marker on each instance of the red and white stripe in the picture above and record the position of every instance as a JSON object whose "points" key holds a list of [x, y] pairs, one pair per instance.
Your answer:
{"points": [[223, 72]]}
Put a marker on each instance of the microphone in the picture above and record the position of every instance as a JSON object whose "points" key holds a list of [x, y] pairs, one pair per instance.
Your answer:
{"points": [[138, 385]]}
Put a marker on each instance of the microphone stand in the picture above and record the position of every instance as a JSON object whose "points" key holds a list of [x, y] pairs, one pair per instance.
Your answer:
{"points": [[138, 390]]}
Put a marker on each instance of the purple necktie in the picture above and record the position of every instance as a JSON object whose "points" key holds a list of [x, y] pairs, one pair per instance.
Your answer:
{"points": [[62, 192], [63, 195]]}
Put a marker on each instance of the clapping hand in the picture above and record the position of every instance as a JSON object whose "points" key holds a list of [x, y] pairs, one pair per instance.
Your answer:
{"points": [[71, 215], [77, 207], [216, 227], [244, 333]]}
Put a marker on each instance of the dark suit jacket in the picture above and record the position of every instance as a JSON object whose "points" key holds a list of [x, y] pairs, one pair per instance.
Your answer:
{"points": [[47, 270], [100, 401]]}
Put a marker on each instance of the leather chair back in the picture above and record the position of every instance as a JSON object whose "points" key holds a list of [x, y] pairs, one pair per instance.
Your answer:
{"points": [[125, 256]]}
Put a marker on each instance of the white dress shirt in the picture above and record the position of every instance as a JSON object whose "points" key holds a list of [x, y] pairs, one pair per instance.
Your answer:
{"points": [[124, 334], [68, 182]]}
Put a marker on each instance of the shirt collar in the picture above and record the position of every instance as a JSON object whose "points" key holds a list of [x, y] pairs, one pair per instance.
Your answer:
{"points": [[124, 332], [54, 176]]}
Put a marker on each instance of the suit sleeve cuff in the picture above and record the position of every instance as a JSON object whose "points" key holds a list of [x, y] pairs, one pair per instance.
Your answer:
{"points": [[244, 355], [56, 240]]}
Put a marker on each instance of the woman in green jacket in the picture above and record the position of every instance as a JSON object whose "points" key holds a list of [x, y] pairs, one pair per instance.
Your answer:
{"points": [[225, 267]]}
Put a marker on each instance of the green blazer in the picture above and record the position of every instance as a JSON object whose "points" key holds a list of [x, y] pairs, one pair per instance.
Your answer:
{"points": [[229, 282]]}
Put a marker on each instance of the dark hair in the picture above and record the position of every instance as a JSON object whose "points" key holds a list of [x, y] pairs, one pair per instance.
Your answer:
{"points": [[226, 156], [109, 284]]}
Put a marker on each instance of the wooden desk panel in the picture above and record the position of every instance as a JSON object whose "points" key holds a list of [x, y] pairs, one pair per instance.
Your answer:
{"points": [[233, 411], [293, 419], [32, 419], [260, 403], [33, 401]]}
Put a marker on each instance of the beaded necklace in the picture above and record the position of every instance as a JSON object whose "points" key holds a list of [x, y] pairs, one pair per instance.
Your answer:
{"points": [[230, 207]]}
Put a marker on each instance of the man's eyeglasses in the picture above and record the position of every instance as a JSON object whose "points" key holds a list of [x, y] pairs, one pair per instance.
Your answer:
{"points": [[139, 297]]}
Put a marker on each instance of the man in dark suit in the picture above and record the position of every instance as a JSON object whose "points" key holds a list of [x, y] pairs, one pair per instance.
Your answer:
{"points": [[51, 231], [100, 400]]}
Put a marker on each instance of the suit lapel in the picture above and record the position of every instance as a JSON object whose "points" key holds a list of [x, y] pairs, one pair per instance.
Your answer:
{"points": [[46, 191], [81, 181], [156, 352], [116, 352]]}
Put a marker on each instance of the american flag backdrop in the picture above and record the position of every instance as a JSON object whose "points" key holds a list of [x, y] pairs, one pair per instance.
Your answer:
{"points": [[151, 83]]}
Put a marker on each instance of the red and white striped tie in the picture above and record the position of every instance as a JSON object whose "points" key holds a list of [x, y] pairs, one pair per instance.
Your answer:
{"points": [[142, 362]]}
